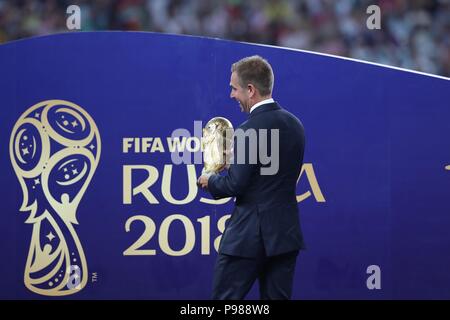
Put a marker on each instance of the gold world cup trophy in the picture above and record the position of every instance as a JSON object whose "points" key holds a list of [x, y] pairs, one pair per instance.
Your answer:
{"points": [[217, 144]]}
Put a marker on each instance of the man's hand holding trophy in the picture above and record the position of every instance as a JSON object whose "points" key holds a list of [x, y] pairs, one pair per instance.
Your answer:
{"points": [[217, 145]]}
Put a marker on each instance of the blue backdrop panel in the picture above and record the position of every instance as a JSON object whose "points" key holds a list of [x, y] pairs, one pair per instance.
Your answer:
{"points": [[374, 190]]}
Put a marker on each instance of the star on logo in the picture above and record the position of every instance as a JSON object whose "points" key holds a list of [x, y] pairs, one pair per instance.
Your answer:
{"points": [[74, 123], [36, 181], [74, 171], [50, 236], [25, 151], [91, 147]]}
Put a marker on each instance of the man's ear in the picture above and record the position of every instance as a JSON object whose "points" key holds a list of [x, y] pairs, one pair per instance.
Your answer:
{"points": [[251, 90]]}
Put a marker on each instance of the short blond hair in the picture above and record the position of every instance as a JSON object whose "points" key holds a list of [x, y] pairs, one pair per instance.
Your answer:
{"points": [[257, 71]]}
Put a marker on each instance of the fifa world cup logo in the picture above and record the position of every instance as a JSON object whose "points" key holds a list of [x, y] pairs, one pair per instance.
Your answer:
{"points": [[54, 149]]}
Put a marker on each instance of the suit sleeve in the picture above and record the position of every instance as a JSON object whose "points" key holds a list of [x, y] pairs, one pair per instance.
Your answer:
{"points": [[236, 181]]}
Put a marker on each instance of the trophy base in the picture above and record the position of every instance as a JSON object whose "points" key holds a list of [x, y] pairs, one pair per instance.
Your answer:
{"points": [[207, 172]]}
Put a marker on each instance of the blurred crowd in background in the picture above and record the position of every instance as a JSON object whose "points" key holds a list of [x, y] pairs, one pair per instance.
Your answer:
{"points": [[414, 34]]}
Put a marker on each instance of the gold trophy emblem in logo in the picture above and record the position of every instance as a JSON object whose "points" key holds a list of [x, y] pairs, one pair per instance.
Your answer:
{"points": [[217, 143], [54, 149]]}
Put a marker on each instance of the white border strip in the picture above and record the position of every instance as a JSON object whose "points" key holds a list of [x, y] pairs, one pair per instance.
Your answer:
{"points": [[351, 59], [250, 43]]}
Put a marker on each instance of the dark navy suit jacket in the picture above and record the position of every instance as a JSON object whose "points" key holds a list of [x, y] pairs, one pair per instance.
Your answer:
{"points": [[265, 217]]}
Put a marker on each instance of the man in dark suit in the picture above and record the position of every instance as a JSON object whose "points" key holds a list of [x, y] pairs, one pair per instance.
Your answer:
{"points": [[263, 236]]}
